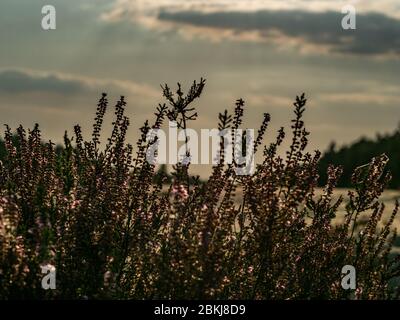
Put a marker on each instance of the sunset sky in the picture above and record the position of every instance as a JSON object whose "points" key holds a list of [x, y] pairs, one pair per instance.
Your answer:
{"points": [[265, 52]]}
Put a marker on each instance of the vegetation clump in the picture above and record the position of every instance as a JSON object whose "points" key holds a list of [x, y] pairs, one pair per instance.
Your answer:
{"points": [[113, 231]]}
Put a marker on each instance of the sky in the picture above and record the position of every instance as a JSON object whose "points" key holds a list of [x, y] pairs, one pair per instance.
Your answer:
{"points": [[265, 52]]}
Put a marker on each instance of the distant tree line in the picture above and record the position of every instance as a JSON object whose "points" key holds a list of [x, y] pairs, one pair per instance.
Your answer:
{"points": [[361, 152]]}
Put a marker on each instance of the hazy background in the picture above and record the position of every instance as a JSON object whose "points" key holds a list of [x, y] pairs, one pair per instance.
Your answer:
{"points": [[263, 51]]}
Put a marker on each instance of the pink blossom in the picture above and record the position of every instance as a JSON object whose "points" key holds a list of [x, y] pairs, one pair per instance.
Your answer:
{"points": [[180, 192]]}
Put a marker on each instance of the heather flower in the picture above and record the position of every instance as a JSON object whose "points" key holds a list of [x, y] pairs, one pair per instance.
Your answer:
{"points": [[180, 192]]}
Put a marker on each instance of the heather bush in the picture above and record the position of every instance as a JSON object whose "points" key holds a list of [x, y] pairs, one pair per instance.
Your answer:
{"points": [[115, 228]]}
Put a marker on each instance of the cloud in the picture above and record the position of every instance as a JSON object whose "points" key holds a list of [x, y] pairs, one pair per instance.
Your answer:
{"points": [[307, 25], [138, 8], [22, 81], [376, 34], [360, 98], [17, 81]]}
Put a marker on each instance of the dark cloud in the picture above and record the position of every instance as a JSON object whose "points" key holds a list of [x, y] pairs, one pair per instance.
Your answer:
{"points": [[375, 33], [16, 81]]}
